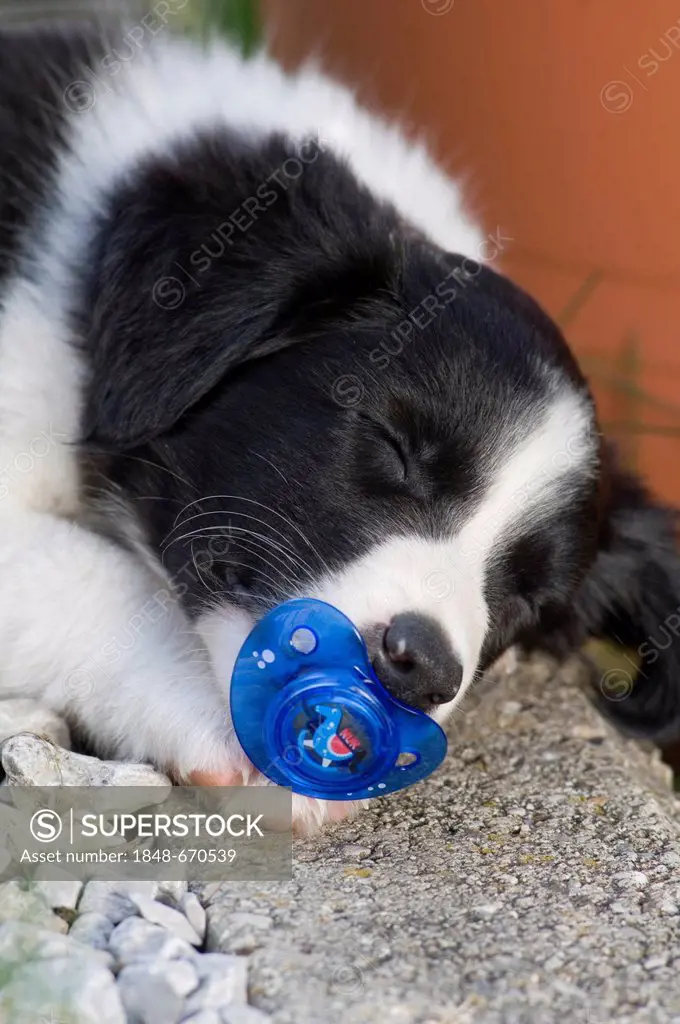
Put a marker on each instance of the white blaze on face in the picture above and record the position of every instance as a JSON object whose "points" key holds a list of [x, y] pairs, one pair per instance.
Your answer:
{"points": [[445, 579]]}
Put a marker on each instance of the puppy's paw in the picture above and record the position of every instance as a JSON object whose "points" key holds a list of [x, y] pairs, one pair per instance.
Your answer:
{"points": [[309, 814]]}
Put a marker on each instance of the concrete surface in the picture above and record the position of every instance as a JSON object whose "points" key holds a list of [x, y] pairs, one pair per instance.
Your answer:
{"points": [[535, 878]]}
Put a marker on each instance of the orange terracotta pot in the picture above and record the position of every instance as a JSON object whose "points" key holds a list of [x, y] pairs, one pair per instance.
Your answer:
{"points": [[562, 116]]}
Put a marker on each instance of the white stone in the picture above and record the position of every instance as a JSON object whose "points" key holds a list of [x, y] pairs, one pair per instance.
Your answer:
{"points": [[181, 974], [631, 879], [92, 929], [589, 732], [241, 932], [147, 996], [134, 940], [71, 987], [653, 963], [61, 893], [18, 903], [108, 899], [174, 890], [224, 980], [167, 917], [20, 942], [191, 907], [487, 909], [31, 761], [83, 991]]}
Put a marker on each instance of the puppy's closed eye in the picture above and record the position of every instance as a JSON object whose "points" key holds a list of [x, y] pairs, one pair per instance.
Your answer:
{"points": [[383, 457], [394, 452]]}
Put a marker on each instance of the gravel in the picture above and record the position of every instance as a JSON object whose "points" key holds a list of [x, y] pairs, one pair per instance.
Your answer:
{"points": [[535, 878]]}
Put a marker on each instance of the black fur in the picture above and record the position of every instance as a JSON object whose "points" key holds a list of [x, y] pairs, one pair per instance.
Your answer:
{"points": [[302, 299], [36, 68], [267, 377], [631, 595]]}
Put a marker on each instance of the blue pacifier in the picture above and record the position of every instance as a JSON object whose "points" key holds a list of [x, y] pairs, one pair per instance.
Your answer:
{"points": [[311, 714]]}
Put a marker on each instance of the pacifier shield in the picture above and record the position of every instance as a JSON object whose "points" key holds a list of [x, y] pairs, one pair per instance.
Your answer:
{"points": [[311, 714]]}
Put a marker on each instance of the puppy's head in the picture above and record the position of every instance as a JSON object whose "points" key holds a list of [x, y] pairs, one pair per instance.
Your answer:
{"points": [[323, 404]]}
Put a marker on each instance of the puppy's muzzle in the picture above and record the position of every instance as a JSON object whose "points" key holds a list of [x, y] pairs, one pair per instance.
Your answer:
{"points": [[414, 661]]}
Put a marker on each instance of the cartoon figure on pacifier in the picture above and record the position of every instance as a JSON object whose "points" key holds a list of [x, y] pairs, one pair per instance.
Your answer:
{"points": [[326, 741], [311, 714]]}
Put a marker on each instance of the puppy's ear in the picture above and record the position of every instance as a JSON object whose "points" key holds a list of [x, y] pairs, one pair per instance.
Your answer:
{"points": [[222, 254], [632, 597]]}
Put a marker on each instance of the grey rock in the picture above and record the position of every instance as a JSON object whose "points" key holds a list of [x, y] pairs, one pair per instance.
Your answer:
{"points": [[109, 899], [21, 942], [223, 981], [203, 1017], [23, 715], [239, 932], [92, 929], [353, 851], [168, 918], [171, 892], [195, 914], [18, 903], [69, 989], [210, 891], [653, 963], [135, 940], [147, 995], [31, 761], [533, 879]]}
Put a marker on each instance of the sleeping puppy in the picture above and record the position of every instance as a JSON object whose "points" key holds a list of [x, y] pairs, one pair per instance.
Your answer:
{"points": [[251, 349]]}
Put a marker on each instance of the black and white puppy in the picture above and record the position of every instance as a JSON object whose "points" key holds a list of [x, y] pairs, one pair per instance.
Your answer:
{"points": [[249, 350]]}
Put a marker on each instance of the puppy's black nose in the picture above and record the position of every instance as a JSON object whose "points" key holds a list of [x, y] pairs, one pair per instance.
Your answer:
{"points": [[413, 659]]}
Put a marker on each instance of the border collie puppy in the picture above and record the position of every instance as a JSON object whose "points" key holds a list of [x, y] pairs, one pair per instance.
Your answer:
{"points": [[249, 350]]}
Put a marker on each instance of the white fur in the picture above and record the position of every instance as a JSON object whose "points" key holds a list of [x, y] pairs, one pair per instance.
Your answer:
{"points": [[90, 629], [173, 88], [445, 579]]}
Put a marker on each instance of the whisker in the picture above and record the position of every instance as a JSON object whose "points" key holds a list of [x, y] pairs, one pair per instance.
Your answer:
{"points": [[157, 465], [209, 533], [252, 501], [274, 584], [200, 575], [227, 529], [270, 463], [265, 554]]}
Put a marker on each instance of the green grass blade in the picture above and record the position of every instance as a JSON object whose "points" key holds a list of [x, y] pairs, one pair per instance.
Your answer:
{"points": [[238, 19]]}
